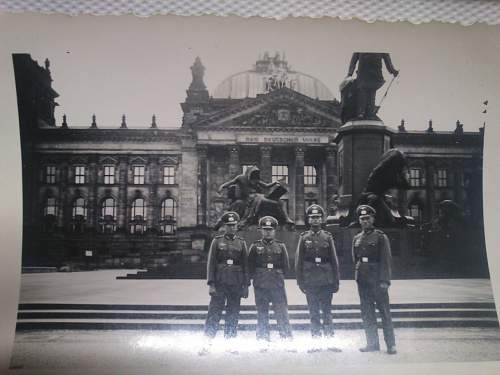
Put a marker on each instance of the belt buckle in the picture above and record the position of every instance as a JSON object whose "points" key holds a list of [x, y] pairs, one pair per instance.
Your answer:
{"points": [[270, 266], [229, 261], [364, 259], [317, 260]]}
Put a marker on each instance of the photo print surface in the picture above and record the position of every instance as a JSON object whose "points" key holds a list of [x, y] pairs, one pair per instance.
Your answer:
{"points": [[207, 191]]}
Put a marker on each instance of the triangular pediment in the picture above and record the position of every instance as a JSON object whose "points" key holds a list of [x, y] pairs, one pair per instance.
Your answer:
{"points": [[280, 108], [169, 160], [108, 160]]}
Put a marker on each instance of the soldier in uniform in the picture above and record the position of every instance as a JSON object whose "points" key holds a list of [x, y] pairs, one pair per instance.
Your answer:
{"points": [[267, 264], [371, 253], [317, 270], [227, 277]]}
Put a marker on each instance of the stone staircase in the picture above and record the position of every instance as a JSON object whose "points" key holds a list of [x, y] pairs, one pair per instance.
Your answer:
{"points": [[56, 316]]}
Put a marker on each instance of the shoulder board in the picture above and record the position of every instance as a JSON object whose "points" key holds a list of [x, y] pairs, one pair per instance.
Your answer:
{"points": [[327, 233], [219, 236], [278, 241], [378, 231], [303, 233]]}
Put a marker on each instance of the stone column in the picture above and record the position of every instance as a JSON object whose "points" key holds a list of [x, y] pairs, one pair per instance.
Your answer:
{"points": [[31, 195], [122, 193], [429, 181], [457, 170], [152, 206], [202, 185], [265, 163], [332, 182], [234, 161], [299, 185], [64, 201], [92, 210]]}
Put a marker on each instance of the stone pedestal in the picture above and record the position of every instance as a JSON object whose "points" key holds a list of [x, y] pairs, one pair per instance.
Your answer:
{"points": [[360, 146]]}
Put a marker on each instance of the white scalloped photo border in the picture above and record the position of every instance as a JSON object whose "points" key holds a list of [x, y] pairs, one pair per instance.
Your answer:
{"points": [[464, 12]]}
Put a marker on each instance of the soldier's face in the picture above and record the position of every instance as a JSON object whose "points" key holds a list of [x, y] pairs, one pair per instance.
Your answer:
{"points": [[268, 233], [315, 221], [230, 228], [366, 222]]}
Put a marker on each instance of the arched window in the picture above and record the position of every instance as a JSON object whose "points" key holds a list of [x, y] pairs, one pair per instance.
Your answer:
{"points": [[50, 207], [50, 214], [138, 214], [79, 214], [168, 218], [79, 209], [108, 208], [108, 215], [138, 209]]}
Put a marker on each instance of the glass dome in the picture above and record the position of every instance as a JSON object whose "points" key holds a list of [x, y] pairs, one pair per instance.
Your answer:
{"points": [[270, 73]]}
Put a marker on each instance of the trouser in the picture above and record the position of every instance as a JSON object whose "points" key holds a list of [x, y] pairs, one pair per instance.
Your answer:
{"points": [[276, 296], [371, 294], [228, 297], [320, 298], [366, 102]]}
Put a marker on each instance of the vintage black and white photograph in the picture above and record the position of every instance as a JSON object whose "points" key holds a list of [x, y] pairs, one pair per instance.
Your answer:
{"points": [[204, 194]]}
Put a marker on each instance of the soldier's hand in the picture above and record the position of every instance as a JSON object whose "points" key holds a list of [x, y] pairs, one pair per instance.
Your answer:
{"points": [[396, 72], [384, 285], [212, 290], [244, 292]]}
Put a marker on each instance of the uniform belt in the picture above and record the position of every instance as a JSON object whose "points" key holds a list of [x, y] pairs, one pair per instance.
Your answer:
{"points": [[321, 260], [265, 265], [234, 262], [367, 260]]}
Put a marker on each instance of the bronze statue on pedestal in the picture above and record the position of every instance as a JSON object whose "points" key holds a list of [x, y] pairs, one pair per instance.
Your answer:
{"points": [[358, 95], [253, 198]]}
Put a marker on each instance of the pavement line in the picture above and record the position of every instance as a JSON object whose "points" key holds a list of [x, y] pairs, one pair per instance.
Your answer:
{"points": [[243, 312], [180, 321], [82, 306]]}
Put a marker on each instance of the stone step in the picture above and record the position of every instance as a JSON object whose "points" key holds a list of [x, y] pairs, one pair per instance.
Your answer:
{"points": [[96, 316]]}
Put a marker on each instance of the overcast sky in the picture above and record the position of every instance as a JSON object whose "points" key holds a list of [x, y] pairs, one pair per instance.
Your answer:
{"points": [[139, 67]]}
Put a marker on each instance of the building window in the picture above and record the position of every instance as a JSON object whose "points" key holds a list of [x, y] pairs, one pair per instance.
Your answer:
{"points": [[138, 174], [50, 174], [109, 174], [310, 177], [280, 173], [138, 214], [168, 175], [441, 178], [79, 174], [415, 211], [50, 208], [168, 216], [108, 216], [50, 215], [79, 215], [416, 177], [79, 208], [138, 209]]}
